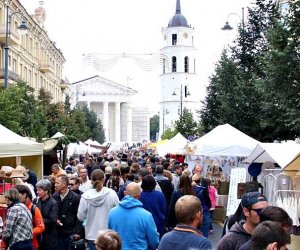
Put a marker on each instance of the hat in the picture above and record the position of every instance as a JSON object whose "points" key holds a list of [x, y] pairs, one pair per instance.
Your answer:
{"points": [[7, 170], [254, 169], [17, 173], [252, 198], [26, 175]]}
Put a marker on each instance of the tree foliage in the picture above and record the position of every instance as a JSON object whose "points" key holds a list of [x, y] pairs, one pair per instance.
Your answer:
{"points": [[21, 112], [154, 127], [186, 124], [256, 86]]}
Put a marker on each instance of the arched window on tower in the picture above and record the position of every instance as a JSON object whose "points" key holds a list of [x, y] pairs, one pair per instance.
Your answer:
{"points": [[174, 39], [186, 64], [174, 64]]}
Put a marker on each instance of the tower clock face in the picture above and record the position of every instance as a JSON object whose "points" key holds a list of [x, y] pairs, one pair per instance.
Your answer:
{"points": [[185, 35]]}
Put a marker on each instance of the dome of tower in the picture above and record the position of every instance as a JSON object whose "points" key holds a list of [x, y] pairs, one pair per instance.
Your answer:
{"points": [[178, 20]]}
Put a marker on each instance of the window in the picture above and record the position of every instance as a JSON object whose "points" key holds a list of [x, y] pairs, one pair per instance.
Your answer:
{"points": [[174, 64], [14, 65], [164, 66], [186, 64], [174, 39]]}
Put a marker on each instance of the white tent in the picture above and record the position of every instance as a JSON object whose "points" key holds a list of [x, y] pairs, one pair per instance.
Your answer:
{"points": [[283, 154], [81, 148], [173, 146], [12, 145], [225, 140], [92, 143]]}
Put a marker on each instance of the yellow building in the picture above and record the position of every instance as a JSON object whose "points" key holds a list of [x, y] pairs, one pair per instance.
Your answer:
{"points": [[33, 58]]}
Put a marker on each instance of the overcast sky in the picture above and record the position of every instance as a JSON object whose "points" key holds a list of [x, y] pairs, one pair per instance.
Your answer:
{"points": [[134, 26]]}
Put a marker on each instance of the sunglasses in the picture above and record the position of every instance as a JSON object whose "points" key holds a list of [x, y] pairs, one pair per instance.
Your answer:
{"points": [[257, 210]]}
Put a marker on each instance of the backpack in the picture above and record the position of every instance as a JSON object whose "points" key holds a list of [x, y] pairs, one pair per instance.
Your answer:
{"points": [[39, 236]]}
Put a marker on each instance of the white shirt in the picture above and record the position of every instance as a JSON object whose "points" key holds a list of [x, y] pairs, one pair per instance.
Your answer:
{"points": [[85, 186]]}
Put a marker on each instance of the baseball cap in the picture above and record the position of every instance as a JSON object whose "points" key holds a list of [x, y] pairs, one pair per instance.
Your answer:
{"points": [[252, 198]]}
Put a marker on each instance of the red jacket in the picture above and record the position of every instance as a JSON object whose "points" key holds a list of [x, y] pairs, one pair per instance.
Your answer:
{"points": [[38, 223]]}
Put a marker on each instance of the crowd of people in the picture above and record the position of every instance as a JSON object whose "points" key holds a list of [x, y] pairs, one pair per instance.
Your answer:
{"points": [[133, 201]]}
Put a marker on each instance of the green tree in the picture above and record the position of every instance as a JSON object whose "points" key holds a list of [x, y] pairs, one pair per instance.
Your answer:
{"points": [[168, 134], [186, 124], [154, 127], [10, 110]]}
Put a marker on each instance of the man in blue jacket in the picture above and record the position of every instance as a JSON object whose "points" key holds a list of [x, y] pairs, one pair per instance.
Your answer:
{"points": [[134, 224], [186, 234]]}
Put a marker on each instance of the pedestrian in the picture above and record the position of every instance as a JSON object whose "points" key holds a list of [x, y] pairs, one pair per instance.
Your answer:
{"points": [[132, 222], [38, 225], [253, 203], [201, 190], [273, 213], [270, 235], [108, 240], [68, 226], [186, 235], [154, 202], [94, 207], [74, 184], [184, 188], [213, 195], [85, 182], [17, 233], [49, 210], [164, 183], [57, 170]]}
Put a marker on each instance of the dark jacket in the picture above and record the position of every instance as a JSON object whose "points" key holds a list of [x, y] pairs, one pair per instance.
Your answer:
{"points": [[235, 238], [67, 214], [49, 212], [78, 192], [167, 189], [171, 219], [246, 246], [202, 194]]}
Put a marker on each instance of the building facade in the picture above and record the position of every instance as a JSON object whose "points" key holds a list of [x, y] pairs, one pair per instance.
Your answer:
{"points": [[112, 102], [178, 80], [33, 58]]}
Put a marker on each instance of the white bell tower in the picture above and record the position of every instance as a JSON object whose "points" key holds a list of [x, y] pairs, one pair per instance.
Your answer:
{"points": [[178, 79]]}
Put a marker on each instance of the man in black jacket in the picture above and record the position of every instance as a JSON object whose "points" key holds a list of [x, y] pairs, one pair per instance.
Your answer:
{"points": [[68, 224]]}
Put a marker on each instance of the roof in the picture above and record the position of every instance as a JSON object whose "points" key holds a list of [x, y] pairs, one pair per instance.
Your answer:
{"points": [[178, 20]]}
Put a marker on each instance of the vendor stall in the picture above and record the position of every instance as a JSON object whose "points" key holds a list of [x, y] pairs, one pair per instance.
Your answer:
{"points": [[15, 150]]}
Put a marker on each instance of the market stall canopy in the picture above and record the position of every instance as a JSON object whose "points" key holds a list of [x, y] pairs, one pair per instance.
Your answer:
{"points": [[12, 144], [92, 143], [57, 135], [155, 144], [286, 155], [80, 148], [176, 145], [50, 144], [225, 140]]}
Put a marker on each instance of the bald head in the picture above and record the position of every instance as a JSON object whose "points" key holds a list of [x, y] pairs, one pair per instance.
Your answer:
{"points": [[133, 189]]}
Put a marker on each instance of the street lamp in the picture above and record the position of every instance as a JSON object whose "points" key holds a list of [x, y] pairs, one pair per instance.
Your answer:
{"points": [[227, 26], [186, 93], [23, 30]]}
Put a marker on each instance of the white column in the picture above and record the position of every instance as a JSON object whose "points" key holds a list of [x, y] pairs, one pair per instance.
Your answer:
{"points": [[129, 122], [105, 120], [117, 122]]}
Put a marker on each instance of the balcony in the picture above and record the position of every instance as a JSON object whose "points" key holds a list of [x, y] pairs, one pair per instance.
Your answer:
{"points": [[46, 67], [64, 85], [13, 37], [12, 77]]}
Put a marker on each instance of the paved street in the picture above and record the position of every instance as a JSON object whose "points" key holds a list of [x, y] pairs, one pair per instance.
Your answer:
{"points": [[216, 236]]}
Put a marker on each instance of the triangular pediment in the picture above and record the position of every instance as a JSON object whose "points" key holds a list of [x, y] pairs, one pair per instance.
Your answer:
{"points": [[100, 85]]}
